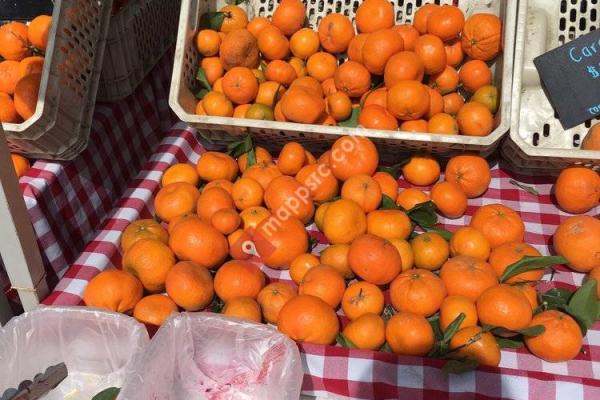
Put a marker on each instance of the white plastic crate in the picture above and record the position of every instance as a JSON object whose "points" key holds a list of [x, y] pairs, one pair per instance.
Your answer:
{"points": [[60, 126], [221, 131], [538, 144]]}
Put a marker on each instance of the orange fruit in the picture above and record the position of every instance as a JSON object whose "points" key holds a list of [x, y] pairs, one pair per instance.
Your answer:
{"points": [[299, 66], [26, 95], [178, 219], [180, 173], [13, 41], [304, 43], [353, 155], [281, 72], [475, 344], [446, 22], [389, 224], [253, 216], [467, 241], [366, 332], [310, 158], [445, 81], [268, 94], [308, 319], [409, 35], [578, 240], [451, 308], [422, 16], [246, 193], [310, 84], [352, 78], [336, 256], [224, 184], [481, 36], [238, 278], [20, 164], [335, 33], [324, 282], [142, 229], [488, 96], [530, 292], [355, 47], [214, 165], [237, 244], [405, 251], [421, 170], [376, 97], [362, 298], [285, 196], [561, 339], [454, 52], [373, 15], [408, 100], [499, 224], [289, 16], [387, 183], [453, 102], [38, 31], [344, 221], [217, 104], [257, 24], [319, 179], [504, 306], [409, 198], [154, 309], [226, 220], [409, 334], [324, 158], [273, 297], [113, 290], [149, 260], [234, 18], [263, 173], [509, 253], [301, 264], [375, 116], [467, 276], [240, 85], [339, 106], [417, 291], [213, 68], [374, 259], [243, 307], [474, 74], [211, 201], [8, 113], [291, 158], [379, 47], [239, 48], [449, 199], [200, 109], [198, 241], [431, 51], [9, 76], [262, 157], [430, 250], [208, 42], [471, 172], [591, 141], [577, 189], [175, 199], [280, 241], [442, 123], [436, 106], [321, 66], [190, 286], [302, 105], [273, 44], [364, 190]]}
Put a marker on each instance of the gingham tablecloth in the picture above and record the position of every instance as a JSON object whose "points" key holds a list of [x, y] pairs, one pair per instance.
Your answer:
{"points": [[336, 371], [67, 201]]}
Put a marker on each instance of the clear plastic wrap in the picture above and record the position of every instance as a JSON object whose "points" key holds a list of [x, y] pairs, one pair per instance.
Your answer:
{"points": [[209, 356], [99, 348]]}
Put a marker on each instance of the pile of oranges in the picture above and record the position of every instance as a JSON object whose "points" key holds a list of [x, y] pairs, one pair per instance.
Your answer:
{"points": [[22, 49], [409, 77], [398, 282]]}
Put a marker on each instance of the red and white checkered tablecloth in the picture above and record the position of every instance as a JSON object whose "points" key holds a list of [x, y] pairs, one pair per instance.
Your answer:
{"points": [[67, 201], [336, 371]]}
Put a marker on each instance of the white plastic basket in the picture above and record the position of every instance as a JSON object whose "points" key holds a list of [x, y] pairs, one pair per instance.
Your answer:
{"points": [[60, 126], [221, 130], [538, 144], [138, 36]]}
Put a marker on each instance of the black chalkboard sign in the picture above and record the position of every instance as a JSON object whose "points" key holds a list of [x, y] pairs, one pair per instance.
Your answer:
{"points": [[571, 77], [24, 10]]}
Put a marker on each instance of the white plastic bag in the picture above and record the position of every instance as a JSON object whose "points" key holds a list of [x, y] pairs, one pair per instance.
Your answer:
{"points": [[98, 347], [198, 356]]}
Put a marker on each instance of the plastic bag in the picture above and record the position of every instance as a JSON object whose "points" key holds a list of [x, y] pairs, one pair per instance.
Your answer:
{"points": [[208, 356], [98, 347]]}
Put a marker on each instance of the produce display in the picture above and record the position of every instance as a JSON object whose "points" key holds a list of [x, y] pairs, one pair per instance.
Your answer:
{"points": [[390, 279], [22, 49], [432, 75]]}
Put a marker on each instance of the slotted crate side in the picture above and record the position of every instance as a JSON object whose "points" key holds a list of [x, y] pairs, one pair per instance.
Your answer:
{"points": [[538, 144], [223, 130], [139, 35], [69, 82]]}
